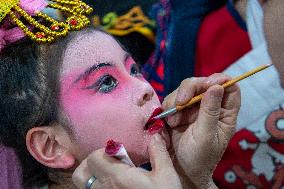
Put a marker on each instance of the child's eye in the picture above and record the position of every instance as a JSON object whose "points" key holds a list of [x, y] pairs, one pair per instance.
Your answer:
{"points": [[105, 84], [135, 70]]}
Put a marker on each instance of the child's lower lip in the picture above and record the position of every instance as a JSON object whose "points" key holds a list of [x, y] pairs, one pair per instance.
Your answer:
{"points": [[156, 127], [151, 121]]}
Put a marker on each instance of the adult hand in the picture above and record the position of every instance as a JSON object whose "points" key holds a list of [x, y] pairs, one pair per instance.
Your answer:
{"points": [[112, 173], [200, 134]]}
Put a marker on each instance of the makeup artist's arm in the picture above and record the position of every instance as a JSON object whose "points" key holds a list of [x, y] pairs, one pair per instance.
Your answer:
{"points": [[201, 133], [113, 174]]}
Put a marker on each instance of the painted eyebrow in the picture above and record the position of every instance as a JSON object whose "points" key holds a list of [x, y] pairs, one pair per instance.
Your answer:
{"points": [[96, 67], [92, 69], [126, 56]]}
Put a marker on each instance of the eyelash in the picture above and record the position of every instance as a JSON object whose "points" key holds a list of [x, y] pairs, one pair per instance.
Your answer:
{"points": [[105, 84], [136, 69]]}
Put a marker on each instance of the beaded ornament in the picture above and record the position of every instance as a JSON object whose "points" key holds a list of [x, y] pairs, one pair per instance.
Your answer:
{"points": [[46, 29]]}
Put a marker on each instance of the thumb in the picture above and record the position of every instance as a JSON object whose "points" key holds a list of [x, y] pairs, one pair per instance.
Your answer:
{"points": [[159, 155], [81, 174], [210, 109]]}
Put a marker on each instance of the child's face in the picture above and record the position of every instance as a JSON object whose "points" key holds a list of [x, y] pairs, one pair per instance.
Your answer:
{"points": [[105, 97]]}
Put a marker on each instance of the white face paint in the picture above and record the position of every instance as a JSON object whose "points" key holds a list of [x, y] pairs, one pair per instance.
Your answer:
{"points": [[105, 97]]}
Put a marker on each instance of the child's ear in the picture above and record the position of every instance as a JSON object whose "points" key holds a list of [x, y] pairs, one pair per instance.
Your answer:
{"points": [[49, 145]]}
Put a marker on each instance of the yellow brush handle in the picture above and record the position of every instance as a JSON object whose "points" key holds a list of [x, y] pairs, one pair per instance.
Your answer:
{"points": [[225, 85]]}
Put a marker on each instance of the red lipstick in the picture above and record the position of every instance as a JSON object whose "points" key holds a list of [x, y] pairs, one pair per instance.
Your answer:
{"points": [[112, 147], [155, 125], [117, 150]]}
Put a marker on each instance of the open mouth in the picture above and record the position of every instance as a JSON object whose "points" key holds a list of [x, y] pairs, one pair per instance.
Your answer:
{"points": [[155, 125]]}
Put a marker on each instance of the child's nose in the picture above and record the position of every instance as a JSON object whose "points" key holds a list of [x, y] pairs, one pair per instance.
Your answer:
{"points": [[145, 94]]}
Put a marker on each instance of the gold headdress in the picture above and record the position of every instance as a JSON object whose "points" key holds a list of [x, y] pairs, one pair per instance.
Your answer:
{"points": [[28, 16]]}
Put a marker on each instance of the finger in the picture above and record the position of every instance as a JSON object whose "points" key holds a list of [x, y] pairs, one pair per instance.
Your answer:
{"points": [[81, 175], [217, 79], [159, 155], [188, 88], [169, 100], [184, 91], [192, 87], [232, 98], [96, 184], [230, 104], [102, 166], [184, 117], [230, 107], [210, 109]]}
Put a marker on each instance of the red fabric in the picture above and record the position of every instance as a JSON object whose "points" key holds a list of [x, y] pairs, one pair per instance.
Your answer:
{"points": [[160, 71], [221, 41], [235, 169], [157, 86], [231, 160]]}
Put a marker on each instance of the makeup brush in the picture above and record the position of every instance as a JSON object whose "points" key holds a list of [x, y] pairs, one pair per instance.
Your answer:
{"points": [[199, 97]]}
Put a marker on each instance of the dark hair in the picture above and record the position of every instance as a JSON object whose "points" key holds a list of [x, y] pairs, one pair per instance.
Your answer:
{"points": [[29, 97]]}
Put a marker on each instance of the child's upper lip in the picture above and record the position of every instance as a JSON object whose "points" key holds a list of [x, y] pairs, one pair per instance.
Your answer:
{"points": [[157, 111]]}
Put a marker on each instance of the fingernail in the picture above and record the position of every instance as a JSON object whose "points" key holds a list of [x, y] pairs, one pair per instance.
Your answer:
{"points": [[212, 80], [181, 98], [171, 120]]}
